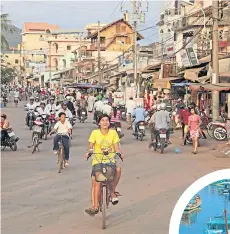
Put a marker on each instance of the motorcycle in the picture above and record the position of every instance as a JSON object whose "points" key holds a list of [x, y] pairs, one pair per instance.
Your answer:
{"points": [[31, 118], [140, 130], [161, 142], [123, 112], [220, 132], [10, 140], [117, 126], [16, 101], [82, 116], [45, 126], [51, 120]]}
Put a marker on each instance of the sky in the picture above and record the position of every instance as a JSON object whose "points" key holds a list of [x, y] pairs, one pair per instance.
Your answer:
{"points": [[76, 14]]}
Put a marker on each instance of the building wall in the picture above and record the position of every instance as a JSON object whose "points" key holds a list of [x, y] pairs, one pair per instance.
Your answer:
{"points": [[110, 37], [35, 41], [12, 60]]}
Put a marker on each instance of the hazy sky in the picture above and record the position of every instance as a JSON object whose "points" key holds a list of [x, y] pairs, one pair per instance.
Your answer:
{"points": [[76, 14]]}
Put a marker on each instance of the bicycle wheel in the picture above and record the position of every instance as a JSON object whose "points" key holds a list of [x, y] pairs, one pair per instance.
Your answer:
{"points": [[35, 143], [103, 207], [61, 159]]}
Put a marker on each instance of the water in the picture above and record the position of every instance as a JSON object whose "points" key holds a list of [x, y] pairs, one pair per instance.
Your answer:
{"points": [[213, 204]]}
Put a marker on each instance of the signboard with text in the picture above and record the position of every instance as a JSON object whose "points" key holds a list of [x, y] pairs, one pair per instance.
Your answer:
{"points": [[184, 58], [192, 56]]}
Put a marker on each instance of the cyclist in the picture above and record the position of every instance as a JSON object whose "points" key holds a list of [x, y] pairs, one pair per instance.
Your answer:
{"points": [[62, 127], [103, 139]]}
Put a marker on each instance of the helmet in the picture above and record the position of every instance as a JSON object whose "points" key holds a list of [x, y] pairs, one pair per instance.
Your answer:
{"points": [[162, 106], [52, 98], [42, 103], [139, 104], [64, 104], [37, 98], [158, 107], [114, 105], [31, 98], [68, 97], [105, 101]]}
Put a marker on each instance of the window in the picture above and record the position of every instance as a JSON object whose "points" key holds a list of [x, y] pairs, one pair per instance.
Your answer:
{"points": [[68, 47], [16, 61], [40, 36], [123, 28], [102, 40], [118, 29]]}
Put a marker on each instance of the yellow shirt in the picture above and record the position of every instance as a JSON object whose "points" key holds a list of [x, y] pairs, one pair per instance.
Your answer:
{"points": [[103, 143]]}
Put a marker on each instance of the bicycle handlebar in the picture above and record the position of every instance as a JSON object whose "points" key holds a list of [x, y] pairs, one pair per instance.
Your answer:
{"points": [[91, 153]]}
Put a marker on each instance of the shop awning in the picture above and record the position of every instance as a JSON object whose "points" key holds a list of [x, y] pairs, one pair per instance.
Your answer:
{"points": [[63, 71], [192, 74], [211, 87], [164, 83]]}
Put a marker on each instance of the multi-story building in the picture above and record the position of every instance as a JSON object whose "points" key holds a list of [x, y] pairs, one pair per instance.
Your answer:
{"points": [[116, 36]]}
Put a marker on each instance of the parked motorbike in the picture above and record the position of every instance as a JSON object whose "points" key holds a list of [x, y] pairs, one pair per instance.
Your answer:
{"points": [[82, 116], [161, 142], [140, 130], [10, 140], [117, 126], [220, 132], [45, 126]]}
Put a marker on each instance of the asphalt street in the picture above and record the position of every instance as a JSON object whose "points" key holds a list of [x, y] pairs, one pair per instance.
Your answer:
{"points": [[38, 200]]}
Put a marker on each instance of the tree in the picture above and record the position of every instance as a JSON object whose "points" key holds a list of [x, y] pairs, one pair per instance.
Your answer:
{"points": [[5, 25], [7, 74]]}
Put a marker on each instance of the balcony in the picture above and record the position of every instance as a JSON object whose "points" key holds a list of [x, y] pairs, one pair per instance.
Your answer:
{"points": [[95, 47]]}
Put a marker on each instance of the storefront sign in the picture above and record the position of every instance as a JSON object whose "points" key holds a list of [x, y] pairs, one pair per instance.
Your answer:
{"points": [[119, 97], [184, 58], [192, 56]]}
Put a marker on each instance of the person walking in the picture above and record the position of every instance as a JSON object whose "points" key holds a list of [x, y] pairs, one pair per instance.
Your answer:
{"points": [[91, 101], [130, 106], [194, 123]]}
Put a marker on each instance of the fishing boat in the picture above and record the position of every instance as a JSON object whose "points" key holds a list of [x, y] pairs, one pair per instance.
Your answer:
{"points": [[218, 225], [194, 204]]}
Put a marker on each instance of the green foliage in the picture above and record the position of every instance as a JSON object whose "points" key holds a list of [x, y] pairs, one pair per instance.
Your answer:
{"points": [[7, 75]]}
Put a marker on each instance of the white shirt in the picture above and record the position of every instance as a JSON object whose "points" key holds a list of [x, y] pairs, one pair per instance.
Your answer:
{"points": [[107, 109], [50, 107], [30, 106], [99, 105], [130, 105], [67, 112], [16, 94], [62, 128], [78, 95], [37, 103], [42, 112]]}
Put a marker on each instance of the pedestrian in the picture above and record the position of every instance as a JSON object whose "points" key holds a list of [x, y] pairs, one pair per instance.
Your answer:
{"points": [[130, 106], [194, 123], [91, 101]]}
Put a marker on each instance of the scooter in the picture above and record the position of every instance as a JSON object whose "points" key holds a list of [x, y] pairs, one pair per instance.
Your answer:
{"points": [[117, 127]]}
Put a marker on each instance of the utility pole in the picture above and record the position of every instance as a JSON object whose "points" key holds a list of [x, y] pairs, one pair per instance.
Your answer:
{"points": [[215, 59], [99, 52], [138, 16], [135, 45], [226, 220]]}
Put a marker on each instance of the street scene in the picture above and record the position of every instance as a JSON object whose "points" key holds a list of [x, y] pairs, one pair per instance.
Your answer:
{"points": [[110, 112], [207, 212]]}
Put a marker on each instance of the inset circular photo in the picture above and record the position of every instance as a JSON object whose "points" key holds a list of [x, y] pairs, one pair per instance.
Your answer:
{"points": [[205, 210]]}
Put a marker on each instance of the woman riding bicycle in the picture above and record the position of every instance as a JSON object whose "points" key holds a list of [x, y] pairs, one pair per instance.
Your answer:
{"points": [[103, 140]]}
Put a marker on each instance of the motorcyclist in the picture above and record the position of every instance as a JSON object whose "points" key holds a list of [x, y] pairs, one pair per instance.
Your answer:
{"points": [[82, 108], [42, 109], [98, 106], [16, 95], [107, 108], [51, 107], [70, 105], [65, 110], [161, 119], [139, 114], [4, 126], [59, 105]]}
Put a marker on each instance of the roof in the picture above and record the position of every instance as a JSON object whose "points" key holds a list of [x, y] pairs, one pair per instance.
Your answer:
{"points": [[38, 26], [65, 31], [111, 24]]}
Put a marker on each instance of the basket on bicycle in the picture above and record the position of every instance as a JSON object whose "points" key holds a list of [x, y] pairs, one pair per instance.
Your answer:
{"points": [[105, 172]]}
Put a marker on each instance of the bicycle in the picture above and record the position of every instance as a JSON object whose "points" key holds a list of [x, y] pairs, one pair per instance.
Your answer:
{"points": [[61, 155], [105, 177]]}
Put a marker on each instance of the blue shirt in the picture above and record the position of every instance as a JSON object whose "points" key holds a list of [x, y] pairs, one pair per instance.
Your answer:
{"points": [[139, 114]]}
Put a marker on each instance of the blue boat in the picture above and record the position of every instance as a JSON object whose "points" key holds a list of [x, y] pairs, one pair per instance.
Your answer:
{"points": [[217, 225]]}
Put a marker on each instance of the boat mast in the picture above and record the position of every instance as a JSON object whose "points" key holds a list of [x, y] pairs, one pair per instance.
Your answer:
{"points": [[226, 220]]}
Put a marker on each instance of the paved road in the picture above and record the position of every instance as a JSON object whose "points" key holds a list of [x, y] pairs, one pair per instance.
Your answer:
{"points": [[38, 200]]}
